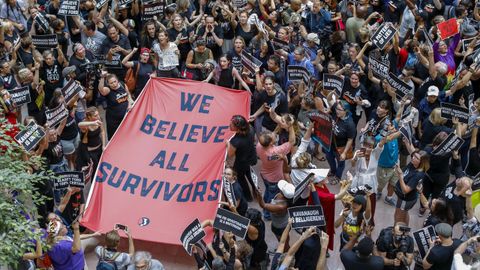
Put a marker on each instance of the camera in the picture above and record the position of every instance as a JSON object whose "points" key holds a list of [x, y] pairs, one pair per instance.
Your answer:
{"points": [[402, 240], [94, 68], [360, 190]]}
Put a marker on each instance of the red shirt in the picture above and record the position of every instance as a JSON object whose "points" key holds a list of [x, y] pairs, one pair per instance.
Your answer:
{"points": [[327, 200]]}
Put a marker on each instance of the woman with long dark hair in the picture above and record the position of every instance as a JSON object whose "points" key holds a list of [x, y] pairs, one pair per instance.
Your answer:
{"points": [[241, 149], [225, 74], [166, 56]]}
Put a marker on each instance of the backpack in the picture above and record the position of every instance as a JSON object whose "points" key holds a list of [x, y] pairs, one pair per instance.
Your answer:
{"points": [[131, 78], [104, 264]]}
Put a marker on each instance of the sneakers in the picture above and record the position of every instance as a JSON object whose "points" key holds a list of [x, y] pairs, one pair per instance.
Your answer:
{"points": [[391, 201], [421, 211], [379, 196]]}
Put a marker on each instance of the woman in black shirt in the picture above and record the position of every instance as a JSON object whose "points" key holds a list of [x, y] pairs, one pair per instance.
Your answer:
{"points": [[242, 148], [118, 101], [244, 29], [93, 139], [142, 69], [406, 187], [225, 74]]}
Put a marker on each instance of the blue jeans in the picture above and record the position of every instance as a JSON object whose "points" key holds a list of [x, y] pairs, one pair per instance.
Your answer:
{"points": [[271, 189], [58, 168], [333, 159]]}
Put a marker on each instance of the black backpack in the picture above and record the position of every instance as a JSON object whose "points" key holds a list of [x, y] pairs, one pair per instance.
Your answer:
{"points": [[107, 264]]}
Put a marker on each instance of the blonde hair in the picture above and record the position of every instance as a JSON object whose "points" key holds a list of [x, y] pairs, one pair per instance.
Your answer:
{"points": [[303, 160], [436, 117], [7, 25], [23, 74], [112, 238]]}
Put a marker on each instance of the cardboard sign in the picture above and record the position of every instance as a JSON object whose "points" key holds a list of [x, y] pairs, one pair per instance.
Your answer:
{"points": [[68, 179], [152, 9], [69, 8], [70, 90], [42, 22], [45, 41], [250, 62], [467, 42], [448, 28], [383, 35], [451, 143], [333, 82], [170, 59], [20, 96], [279, 44], [230, 222], [30, 136], [322, 128], [56, 115], [449, 111], [100, 4], [379, 69], [298, 74], [191, 235], [401, 88], [302, 186], [421, 238], [229, 193], [307, 216]]}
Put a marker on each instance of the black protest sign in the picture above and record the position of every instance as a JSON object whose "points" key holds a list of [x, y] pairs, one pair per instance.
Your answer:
{"points": [[302, 186], [101, 3], [56, 115], [20, 96], [467, 42], [401, 88], [252, 171], [229, 193], [428, 39], [298, 74], [476, 181], [42, 22], [421, 238], [191, 235], [379, 68], [239, 3], [45, 41], [306, 216], [451, 143], [407, 131], [70, 90], [69, 179], [124, 2], [30, 136], [383, 35], [152, 9], [250, 62], [476, 56], [69, 8], [449, 111], [230, 222], [322, 128], [333, 82], [279, 44]]}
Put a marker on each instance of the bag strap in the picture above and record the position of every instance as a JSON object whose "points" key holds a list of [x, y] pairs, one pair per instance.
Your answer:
{"points": [[138, 69]]}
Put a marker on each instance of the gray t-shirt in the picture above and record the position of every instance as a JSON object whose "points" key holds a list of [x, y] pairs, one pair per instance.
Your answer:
{"points": [[122, 260], [154, 265], [93, 43]]}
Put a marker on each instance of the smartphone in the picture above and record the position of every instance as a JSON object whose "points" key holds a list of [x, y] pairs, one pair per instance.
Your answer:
{"points": [[363, 150], [120, 227]]}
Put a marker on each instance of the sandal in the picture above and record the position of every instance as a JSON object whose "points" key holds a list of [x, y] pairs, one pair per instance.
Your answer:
{"points": [[333, 180], [322, 158]]}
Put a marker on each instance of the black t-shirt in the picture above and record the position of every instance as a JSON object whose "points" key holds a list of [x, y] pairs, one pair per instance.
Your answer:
{"points": [[441, 257], [144, 73], [247, 36], [117, 101], [226, 26], [211, 44], [411, 177], [386, 244], [115, 66], [279, 101], [52, 75], [455, 202], [71, 129], [430, 131], [8, 81], [343, 130], [242, 205], [236, 60], [245, 154], [473, 165], [349, 93], [54, 152], [439, 165], [184, 46], [351, 261], [72, 209]]}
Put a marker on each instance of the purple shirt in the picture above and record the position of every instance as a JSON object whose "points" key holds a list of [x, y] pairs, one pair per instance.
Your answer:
{"points": [[64, 259]]}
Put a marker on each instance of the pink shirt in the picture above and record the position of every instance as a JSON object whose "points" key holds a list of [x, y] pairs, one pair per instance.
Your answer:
{"points": [[272, 162]]}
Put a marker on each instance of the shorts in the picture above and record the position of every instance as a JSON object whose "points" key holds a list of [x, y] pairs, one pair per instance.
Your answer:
{"points": [[405, 205], [386, 175], [69, 146]]}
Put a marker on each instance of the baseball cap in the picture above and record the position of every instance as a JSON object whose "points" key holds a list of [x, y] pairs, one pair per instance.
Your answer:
{"points": [[360, 199], [365, 246], [287, 189], [68, 70], [313, 37], [443, 229], [432, 91]]}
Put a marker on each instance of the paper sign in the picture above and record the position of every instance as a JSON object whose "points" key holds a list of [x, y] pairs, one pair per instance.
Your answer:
{"points": [[322, 128], [448, 28], [421, 238], [451, 143], [298, 74], [307, 216], [70, 90], [302, 186], [30, 136], [20, 96], [379, 69], [229, 192], [279, 44], [69, 8], [449, 111], [250, 62], [152, 9], [230, 222], [56, 115], [68, 179], [191, 235], [383, 35], [42, 22], [333, 82], [401, 88]]}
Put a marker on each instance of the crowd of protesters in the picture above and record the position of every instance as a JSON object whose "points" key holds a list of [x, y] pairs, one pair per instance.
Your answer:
{"points": [[112, 50]]}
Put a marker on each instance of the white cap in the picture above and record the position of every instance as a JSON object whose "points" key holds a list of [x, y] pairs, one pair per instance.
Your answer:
{"points": [[432, 91], [313, 37], [287, 189]]}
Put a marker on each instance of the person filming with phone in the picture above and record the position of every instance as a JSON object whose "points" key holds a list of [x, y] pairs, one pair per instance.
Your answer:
{"points": [[108, 255], [395, 246]]}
